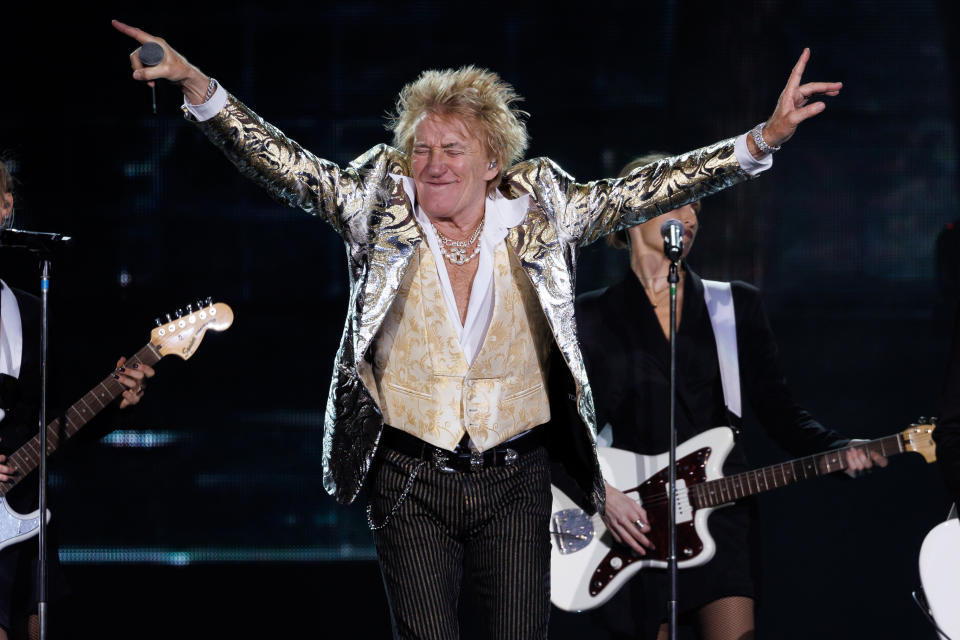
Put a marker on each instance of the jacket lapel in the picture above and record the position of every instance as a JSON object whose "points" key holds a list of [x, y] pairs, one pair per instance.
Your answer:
{"points": [[395, 237], [541, 254]]}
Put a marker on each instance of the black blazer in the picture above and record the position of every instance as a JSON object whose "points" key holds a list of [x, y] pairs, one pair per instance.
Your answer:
{"points": [[947, 433], [627, 359], [22, 395]]}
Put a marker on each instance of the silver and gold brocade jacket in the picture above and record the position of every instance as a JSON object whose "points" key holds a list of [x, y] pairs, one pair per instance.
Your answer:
{"points": [[375, 218]]}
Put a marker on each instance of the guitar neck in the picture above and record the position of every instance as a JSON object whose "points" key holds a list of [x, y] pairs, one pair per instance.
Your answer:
{"points": [[727, 489], [27, 458]]}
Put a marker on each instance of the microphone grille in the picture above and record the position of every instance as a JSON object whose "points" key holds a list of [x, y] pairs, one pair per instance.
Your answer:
{"points": [[150, 54], [672, 222]]}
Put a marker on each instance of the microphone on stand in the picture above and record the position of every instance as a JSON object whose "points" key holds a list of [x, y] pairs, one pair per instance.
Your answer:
{"points": [[151, 54], [672, 232], [37, 241]]}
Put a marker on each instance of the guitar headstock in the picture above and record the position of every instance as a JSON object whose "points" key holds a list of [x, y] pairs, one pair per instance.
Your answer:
{"points": [[182, 335], [919, 438]]}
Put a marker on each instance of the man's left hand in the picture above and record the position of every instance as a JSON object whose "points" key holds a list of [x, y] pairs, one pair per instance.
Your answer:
{"points": [[794, 106]]}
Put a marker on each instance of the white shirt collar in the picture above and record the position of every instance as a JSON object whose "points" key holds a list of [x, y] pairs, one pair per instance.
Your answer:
{"points": [[501, 213]]}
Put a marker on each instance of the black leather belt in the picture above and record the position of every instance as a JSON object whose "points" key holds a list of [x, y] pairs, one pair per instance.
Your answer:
{"points": [[463, 458]]}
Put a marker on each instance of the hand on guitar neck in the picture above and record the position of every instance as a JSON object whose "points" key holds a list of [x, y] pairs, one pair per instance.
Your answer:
{"points": [[859, 462], [134, 378]]}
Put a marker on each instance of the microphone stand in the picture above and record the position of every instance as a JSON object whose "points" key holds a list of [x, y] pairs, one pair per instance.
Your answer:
{"points": [[42, 556], [673, 278], [672, 232]]}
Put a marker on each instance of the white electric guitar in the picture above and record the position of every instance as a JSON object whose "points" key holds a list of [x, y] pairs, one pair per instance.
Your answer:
{"points": [[179, 336], [939, 569], [588, 566]]}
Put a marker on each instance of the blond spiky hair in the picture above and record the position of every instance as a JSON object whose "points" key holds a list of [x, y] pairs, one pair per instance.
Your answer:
{"points": [[478, 97]]}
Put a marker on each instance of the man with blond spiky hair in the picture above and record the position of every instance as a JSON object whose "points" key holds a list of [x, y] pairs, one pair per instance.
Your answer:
{"points": [[459, 376]]}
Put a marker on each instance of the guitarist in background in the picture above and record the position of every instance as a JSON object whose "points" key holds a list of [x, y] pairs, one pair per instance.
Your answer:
{"points": [[947, 433], [19, 421], [624, 333]]}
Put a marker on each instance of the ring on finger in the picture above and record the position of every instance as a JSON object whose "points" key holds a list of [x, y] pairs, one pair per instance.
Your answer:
{"points": [[639, 524]]}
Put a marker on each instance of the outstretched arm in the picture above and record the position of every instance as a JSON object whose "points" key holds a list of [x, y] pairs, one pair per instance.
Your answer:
{"points": [[291, 174], [592, 210]]}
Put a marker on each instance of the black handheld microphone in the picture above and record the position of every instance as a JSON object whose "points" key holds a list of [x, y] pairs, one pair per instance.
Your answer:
{"points": [[672, 232], [151, 54], [37, 241]]}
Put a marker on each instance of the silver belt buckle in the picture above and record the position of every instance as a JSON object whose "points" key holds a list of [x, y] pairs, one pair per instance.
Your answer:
{"points": [[476, 460], [510, 458], [440, 460]]}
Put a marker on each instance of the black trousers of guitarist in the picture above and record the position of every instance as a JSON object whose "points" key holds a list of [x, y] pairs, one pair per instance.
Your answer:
{"points": [[628, 362]]}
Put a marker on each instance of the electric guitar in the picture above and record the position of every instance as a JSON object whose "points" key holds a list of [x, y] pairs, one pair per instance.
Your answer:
{"points": [[179, 336], [588, 566]]}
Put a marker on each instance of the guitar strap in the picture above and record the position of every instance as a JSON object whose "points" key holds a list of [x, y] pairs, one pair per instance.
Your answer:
{"points": [[11, 349], [719, 299]]}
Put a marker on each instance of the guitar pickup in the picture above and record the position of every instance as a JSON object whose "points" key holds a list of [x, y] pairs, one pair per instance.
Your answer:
{"points": [[684, 508]]}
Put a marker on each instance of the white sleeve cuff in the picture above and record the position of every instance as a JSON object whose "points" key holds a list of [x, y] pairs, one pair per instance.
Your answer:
{"points": [[217, 101], [747, 162]]}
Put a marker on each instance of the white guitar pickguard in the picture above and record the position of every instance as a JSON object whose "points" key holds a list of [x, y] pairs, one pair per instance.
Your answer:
{"points": [[571, 570], [15, 527]]}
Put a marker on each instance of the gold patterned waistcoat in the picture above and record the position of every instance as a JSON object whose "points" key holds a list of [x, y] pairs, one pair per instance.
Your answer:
{"points": [[424, 384]]}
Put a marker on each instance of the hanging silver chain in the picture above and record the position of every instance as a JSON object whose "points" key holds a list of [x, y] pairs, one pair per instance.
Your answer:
{"points": [[396, 506]]}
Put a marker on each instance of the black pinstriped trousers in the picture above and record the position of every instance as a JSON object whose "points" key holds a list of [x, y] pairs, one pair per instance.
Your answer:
{"points": [[492, 523]]}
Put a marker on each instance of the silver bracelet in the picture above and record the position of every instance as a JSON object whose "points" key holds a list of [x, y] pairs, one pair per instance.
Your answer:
{"points": [[211, 89], [757, 133]]}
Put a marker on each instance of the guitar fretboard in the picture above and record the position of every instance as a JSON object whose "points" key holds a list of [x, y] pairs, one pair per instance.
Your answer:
{"points": [[27, 458], [723, 490]]}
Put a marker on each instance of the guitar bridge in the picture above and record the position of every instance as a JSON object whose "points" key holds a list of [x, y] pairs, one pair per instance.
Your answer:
{"points": [[572, 530]]}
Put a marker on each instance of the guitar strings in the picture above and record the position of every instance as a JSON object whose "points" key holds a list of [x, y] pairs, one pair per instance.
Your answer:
{"points": [[699, 488]]}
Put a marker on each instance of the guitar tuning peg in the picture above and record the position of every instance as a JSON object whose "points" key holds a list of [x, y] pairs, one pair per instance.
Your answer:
{"points": [[169, 319], [159, 321], [209, 301], [179, 313], [189, 308]]}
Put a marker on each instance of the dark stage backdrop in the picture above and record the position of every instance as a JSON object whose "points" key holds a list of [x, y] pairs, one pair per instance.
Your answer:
{"points": [[220, 467]]}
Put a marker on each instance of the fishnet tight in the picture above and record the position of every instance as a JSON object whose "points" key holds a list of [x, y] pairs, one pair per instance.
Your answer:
{"points": [[32, 629], [724, 619]]}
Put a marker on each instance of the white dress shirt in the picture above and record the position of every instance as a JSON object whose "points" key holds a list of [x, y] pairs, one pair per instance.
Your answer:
{"points": [[11, 335]]}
